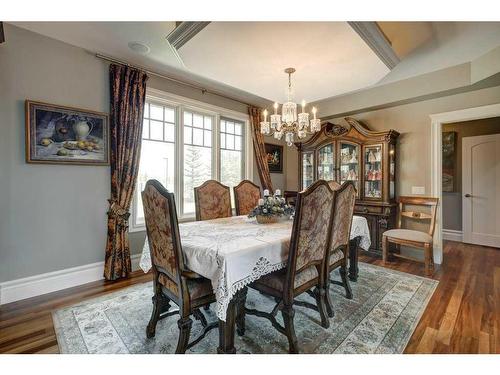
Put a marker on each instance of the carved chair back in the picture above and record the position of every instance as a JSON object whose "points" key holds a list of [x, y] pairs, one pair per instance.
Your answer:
{"points": [[164, 241], [212, 200], [246, 197], [311, 232], [343, 210], [417, 215], [334, 185]]}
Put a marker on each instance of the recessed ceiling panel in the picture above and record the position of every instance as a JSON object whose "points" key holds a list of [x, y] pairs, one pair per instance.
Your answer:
{"points": [[329, 57]]}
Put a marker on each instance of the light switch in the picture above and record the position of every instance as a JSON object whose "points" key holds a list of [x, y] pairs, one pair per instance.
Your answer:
{"points": [[418, 190]]}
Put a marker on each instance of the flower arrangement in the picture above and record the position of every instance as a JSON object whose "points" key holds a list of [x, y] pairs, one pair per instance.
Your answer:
{"points": [[271, 208]]}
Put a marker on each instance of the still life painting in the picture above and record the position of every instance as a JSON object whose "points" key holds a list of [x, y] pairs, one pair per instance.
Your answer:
{"points": [[274, 158], [65, 135], [449, 161]]}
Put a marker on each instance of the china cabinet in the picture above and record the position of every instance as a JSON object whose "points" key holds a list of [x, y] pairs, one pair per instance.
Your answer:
{"points": [[367, 158]]}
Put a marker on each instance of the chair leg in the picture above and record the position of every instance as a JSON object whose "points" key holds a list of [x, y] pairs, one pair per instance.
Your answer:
{"points": [[288, 313], [427, 258], [240, 315], [328, 298], [345, 281], [161, 303], [385, 245], [320, 295], [184, 325], [198, 315]]}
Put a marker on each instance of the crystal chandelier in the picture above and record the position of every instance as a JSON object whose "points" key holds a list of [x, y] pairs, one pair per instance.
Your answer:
{"points": [[289, 123]]}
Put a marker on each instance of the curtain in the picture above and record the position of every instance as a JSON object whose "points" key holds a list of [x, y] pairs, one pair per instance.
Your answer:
{"points": [[127, 97], [260, 150]]}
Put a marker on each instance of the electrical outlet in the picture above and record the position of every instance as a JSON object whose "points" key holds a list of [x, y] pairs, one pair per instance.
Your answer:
{"points": [[418, 190]]}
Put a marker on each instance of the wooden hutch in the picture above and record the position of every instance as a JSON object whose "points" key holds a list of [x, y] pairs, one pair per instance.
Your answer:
{"points": [[355, 153]]}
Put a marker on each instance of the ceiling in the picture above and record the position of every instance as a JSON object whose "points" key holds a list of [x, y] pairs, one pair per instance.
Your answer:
{"points": [[245, 60], [112, 38], [330, 58]]}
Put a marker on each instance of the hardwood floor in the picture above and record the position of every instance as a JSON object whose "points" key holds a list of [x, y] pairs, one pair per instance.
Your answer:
{"points": [[463, 316]]}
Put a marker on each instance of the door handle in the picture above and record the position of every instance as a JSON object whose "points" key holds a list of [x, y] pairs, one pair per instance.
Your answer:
{"points": [[467, 196]]}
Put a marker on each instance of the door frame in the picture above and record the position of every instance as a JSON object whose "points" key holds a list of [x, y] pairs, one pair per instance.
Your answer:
{"points": [[437, 120]]}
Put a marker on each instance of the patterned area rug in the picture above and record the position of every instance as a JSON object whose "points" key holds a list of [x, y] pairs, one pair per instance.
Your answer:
{"points": [[381, 318]]}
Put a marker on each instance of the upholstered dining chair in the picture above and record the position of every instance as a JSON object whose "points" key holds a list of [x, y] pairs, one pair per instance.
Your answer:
{"points": [[172, 281], [334, 185], [212, 200], [413, 238], [246, 197], [343, 210], [306, 264]]}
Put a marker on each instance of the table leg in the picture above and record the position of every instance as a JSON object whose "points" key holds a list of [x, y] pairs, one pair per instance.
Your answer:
{"points": [[226, 329], [353, 259]]}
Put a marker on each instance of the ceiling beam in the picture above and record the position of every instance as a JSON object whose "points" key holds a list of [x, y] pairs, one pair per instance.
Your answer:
{"points": [[184, 32], [372, 35]]}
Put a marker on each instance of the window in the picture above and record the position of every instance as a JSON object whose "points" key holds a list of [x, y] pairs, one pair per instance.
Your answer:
{"points": [[197, 155], [231, 153], [185, 144], [157, 152]]}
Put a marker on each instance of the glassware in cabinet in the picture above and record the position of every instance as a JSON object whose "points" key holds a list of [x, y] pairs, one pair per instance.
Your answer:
{"points": [[373, 171], [349, 163], [326, 162], [307, 169]]}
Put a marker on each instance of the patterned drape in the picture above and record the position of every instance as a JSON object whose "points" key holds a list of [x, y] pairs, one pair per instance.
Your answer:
{"points": [[260, 150], [127, 96]]}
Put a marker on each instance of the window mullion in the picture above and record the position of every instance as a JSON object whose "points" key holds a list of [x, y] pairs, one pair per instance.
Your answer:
{"points": [[179, 165], [216, 147]]}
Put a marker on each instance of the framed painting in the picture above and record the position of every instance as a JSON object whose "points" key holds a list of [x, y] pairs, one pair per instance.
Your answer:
{"points": [[449, 161], [65, 135], [274, 157]]}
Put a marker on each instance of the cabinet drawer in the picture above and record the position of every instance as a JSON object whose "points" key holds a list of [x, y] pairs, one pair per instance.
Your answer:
{"points": [[368, 209]]}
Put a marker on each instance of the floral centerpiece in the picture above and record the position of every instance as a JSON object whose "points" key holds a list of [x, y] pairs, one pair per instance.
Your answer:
{"points": [[271, 208]]}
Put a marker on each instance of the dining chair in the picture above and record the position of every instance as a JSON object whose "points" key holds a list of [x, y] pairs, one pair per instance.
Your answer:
{"points": [[172, 281], [212, 200], [246, 197], [334, 185], [343, 211], [409, 237], [305, 267]]}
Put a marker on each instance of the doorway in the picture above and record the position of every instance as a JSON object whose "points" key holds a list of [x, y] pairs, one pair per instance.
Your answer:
{"points": [[437, 122]]}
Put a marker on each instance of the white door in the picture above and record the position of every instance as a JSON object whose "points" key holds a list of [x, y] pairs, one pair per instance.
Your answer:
{"points": [[481, 190]]}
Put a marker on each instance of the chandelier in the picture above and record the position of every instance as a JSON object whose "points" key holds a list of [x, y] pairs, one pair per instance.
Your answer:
{"points": [[289, 123]]}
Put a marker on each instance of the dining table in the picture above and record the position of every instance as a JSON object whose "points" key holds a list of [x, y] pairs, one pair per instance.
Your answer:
{"points": [[235, 251]]}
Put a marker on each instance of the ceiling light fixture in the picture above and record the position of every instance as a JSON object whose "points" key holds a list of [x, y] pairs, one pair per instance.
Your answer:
{"points": [[139, 48], [289, 123]]}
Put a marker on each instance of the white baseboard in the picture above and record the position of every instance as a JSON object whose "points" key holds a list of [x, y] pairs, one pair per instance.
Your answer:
{"points": [[452, 235], [15, 290]]}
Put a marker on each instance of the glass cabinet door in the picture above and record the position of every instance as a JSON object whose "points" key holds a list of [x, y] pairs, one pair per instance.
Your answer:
{"points": [[326, 163], [349, 163], [392, 171], [373, 171], [307, 169]]}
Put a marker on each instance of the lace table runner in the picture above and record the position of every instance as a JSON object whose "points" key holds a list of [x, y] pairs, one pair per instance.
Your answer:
{"points": [[233, 252]]}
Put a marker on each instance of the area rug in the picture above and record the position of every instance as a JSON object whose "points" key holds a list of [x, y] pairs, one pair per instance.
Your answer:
{"points": [[381, 318]]}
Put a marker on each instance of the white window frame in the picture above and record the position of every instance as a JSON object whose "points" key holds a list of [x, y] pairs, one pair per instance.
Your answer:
{"points": [[181, 104]]}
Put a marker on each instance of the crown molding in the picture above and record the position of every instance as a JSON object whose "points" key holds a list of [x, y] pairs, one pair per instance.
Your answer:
{"points": [[184, 32], [372, 35]]}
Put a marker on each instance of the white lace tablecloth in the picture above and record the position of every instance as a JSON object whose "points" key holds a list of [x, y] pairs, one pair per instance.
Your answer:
{"points": [[235, 251]]}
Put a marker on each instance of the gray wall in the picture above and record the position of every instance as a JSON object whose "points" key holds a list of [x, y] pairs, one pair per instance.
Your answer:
{"points": [[54, 216]]}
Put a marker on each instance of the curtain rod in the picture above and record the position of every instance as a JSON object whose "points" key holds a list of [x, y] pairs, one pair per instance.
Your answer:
{"points": [[202, 89]]}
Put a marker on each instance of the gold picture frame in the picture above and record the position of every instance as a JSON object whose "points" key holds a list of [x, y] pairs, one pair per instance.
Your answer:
{"points": [[57, 134]]}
